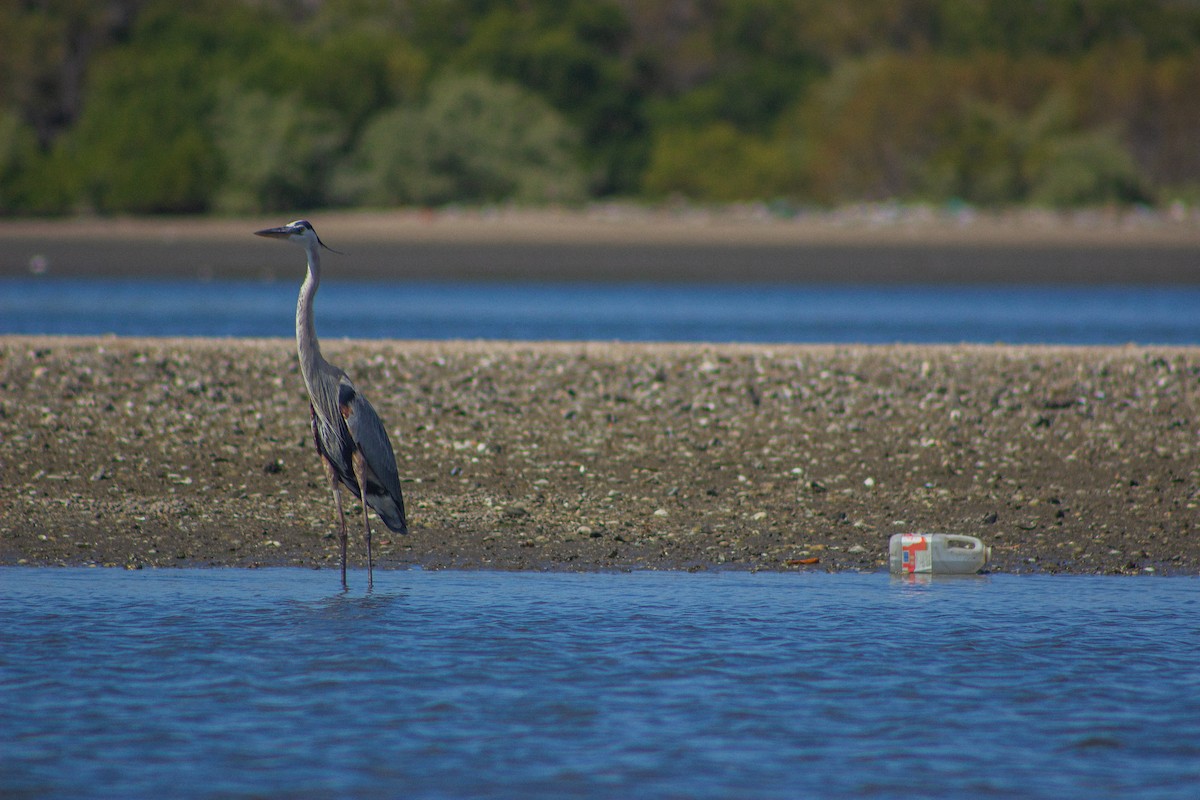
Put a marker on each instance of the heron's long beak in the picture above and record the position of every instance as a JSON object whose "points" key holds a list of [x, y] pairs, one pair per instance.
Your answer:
{"points": [[277, 233]]}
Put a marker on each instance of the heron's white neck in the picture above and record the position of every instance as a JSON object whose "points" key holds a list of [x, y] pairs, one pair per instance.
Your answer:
{"points": [[306, 332]]}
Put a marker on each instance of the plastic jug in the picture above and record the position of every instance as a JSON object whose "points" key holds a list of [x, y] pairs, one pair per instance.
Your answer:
{"points": [[937, 554]]}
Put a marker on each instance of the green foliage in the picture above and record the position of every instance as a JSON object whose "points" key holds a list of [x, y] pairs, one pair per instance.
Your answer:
{"points": [[45, 51], [569, 52], [1068, 28], [764, 66], [277, 153], [18, 157], [872, 124], [1086, 168], [998, 157], [140, 144], [719, 164], [31, 181], [247, 105], [354, 72], [991, 131], [475, 140]]}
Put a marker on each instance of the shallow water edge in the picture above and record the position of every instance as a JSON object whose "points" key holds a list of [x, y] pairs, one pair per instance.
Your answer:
{"points": [[237, 683]]}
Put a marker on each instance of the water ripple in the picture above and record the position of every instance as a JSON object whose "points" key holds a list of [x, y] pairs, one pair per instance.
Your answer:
{"points": [[1113, 315], [227, 683]]}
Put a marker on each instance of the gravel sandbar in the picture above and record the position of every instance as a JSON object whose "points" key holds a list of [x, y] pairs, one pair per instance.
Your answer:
{"points": [[597, 456]]}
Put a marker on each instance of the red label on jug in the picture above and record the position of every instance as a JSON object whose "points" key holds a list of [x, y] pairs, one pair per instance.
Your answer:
{"points": [[917, 556]]}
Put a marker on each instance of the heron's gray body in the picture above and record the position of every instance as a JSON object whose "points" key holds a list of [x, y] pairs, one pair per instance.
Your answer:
{"points": [[336, 444], [349, 435]]}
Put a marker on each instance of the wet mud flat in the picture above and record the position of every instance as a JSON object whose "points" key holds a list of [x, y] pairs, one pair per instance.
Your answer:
{"points": [[601, 456], [869, 245]]}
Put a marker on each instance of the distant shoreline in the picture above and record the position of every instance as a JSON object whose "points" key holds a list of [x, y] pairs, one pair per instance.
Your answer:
{"points": [[870, 244], [629, 223]]}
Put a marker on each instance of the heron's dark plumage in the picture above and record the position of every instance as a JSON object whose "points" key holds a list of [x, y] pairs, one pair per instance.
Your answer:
{"points": [[338, 450]]}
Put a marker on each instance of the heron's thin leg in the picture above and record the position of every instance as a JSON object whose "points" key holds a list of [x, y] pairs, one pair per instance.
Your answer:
{"points": [[370, 564], [360, 468], [337, 499]]}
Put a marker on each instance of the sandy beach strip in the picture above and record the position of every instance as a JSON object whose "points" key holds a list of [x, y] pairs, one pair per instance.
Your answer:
{"points": [[869, 244], [599, 456]]}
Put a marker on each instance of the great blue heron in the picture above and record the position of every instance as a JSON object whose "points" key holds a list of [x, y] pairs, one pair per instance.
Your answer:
{"points": [[350, 437]]}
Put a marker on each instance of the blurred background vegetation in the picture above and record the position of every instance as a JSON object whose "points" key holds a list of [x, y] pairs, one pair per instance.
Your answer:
{"points": [[247, 106]]}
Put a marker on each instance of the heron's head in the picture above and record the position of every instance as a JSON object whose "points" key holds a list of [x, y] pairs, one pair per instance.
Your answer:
{"points": [[301, 232]]}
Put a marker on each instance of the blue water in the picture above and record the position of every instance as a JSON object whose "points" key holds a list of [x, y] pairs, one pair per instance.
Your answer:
{"points": [[604, 311], [252, 683]]}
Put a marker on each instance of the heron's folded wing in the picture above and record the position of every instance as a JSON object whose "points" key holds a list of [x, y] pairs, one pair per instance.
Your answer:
{"points": [[373, 443]]}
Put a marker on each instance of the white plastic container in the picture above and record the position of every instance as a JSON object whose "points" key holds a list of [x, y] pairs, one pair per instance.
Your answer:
{"points": [[937, 554]]}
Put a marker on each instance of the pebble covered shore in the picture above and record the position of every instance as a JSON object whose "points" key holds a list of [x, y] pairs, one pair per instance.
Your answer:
{"points": [[598, 456]]}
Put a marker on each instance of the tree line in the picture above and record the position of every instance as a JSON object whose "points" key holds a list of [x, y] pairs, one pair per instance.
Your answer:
{"points": [[246, 106]]}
